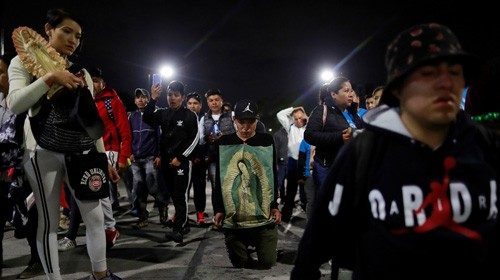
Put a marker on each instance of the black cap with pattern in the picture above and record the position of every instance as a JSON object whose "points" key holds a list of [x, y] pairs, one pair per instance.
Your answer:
{"points": [[417, 46], [245, 109]]}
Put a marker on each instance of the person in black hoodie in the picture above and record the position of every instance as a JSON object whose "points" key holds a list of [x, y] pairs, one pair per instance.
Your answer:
{"points": [[330, 126], [415, 195], [179, 137]]}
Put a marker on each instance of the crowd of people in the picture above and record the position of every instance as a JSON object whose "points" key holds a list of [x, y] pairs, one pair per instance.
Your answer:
{"points": [[399, 184]]}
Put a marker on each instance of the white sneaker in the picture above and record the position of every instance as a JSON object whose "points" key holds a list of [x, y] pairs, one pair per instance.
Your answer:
{"points": [[65, 244]]}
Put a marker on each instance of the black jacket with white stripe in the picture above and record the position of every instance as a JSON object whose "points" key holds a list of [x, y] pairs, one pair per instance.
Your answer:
{"points": [[179, 130]]}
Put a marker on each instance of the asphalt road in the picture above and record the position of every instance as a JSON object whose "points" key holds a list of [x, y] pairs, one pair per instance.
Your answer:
{"points": [[144, 254]]}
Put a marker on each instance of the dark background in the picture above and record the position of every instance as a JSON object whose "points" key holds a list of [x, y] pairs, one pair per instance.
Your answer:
{"points": [[269, 51]]}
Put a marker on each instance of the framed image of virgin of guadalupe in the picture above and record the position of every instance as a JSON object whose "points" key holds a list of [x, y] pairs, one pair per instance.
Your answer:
{"points": [[247, 184]]}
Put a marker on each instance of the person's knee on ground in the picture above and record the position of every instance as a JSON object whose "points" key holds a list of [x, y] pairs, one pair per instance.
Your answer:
{"points": [[237, 251]]}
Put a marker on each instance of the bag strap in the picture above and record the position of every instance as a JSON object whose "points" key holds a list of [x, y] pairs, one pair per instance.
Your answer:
{"points": [[325, 111]]}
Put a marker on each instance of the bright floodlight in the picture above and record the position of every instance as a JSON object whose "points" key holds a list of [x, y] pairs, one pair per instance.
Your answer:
{"points": [[167, 71], [327, 75]]}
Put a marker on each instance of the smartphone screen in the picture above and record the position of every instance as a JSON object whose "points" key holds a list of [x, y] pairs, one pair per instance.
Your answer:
{"points": [[156, 79]]}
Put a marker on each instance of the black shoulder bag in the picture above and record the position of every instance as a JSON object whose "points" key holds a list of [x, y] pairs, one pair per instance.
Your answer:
{"points": [[88, 175]]}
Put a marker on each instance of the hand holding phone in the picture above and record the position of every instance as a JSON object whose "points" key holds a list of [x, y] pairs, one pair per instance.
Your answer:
{"points": [[155, 91], [156, 79]]}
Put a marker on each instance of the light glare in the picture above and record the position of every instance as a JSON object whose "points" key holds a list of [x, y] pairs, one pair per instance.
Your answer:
{"points": [[327, 75], [166, 71]]}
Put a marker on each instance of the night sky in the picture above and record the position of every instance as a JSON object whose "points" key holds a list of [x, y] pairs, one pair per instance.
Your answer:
{"points": [[269, 51]]}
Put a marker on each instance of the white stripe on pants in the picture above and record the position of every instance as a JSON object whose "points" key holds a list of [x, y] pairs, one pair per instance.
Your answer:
{"points": [[46, 170], [106, 203]]}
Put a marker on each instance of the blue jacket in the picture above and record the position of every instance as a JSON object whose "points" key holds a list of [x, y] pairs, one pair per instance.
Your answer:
{"points": [[145, 138], [304, 159]]}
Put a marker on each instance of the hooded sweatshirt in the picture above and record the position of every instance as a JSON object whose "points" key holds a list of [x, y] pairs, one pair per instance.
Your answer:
{"points": [[422, 213], [117, 133]]}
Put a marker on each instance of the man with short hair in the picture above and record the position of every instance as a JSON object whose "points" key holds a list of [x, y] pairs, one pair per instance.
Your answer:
{"points": [[293, 120], [214, 124], [415, 195], [179, 136], [145, 161], [246, 190]]}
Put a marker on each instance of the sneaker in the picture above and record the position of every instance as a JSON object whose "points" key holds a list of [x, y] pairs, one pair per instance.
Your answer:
{"points": [[109, 276], [200, 218], [66, 244], [33, 269], [173, 236], [111, 236], [141, 224]]}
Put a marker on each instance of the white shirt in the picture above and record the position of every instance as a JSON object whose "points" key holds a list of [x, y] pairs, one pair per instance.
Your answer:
{"points": [[295, 134]]}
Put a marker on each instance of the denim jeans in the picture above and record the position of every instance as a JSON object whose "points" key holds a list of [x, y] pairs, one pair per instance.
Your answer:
{"points": [[319, 174], [144, 182], [282, 171], [211, 176]]}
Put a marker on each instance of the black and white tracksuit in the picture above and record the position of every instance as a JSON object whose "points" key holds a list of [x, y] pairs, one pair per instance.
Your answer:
{"points": [[179, 137]]}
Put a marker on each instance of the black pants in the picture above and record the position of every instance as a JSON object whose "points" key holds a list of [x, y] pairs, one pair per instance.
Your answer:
{"points": [[291, 189], [176, 182], [32, 226], [75, 218], [6, 207], [199, 183]]}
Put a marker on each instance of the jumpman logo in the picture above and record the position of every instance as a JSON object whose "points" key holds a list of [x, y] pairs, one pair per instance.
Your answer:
{"points": [[247, 109], [441, 215]]}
